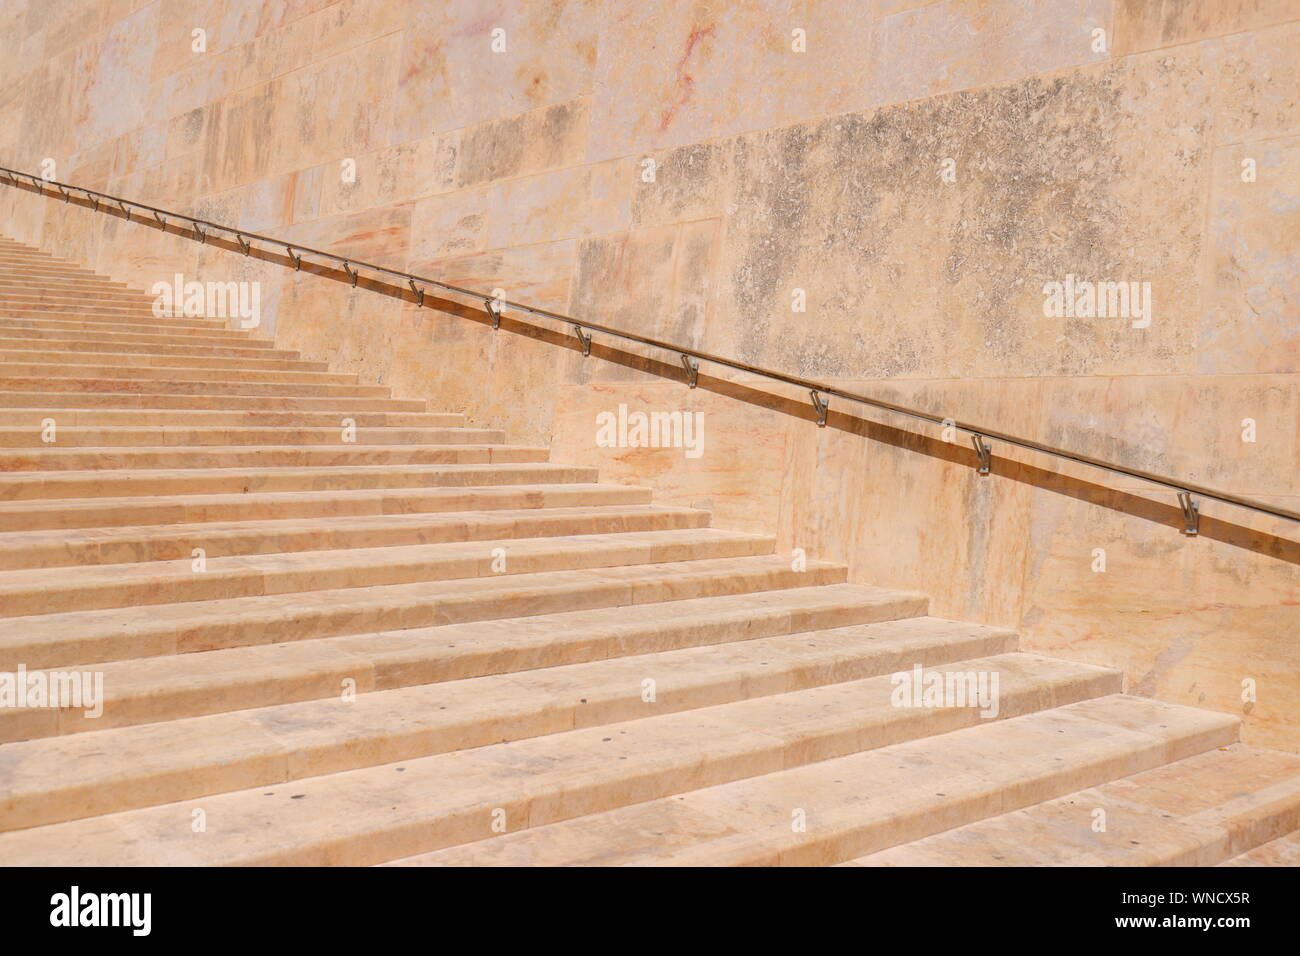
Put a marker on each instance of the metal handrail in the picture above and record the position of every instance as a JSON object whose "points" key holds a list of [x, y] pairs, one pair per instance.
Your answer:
{"points": [[819, 392]]}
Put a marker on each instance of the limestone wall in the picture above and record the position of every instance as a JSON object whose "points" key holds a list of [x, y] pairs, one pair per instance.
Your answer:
{"points": [[913, 178]]}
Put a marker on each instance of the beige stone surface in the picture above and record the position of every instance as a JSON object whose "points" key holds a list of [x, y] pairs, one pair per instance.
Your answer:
{"points": [[554, 667], [778, 177]]}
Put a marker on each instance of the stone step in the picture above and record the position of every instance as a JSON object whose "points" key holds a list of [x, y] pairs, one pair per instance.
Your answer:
{"points": [[27, 249], [35, 592], [372, 815], [1284, 851], [153, 764], [80, 360], [24, 281], [231, 385], [208, 682], [170, 542], [198, 421], [84, 333], [184, 330], [334, 406], [14, 247], [35, 256], [55, 371], [818, 814], [1196, 812], [85, 276], [31, 255], [265, 456], [34, 486], [105, 512], [52, 295], [43, 273], [74, 294], [56, 346], [115, 634], [95, 309], [118, 440]]}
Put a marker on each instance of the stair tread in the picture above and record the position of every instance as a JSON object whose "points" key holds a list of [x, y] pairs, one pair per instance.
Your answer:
{"points": [[383, 726], [191, 507], [199, 418], [158, 688], [39, 485], [25, 460], [1196, 811], [27, 595], [353, 816], [422, 438], [51, 640], [866, 800], [1284, 851], [197, 400], [305, 534]]}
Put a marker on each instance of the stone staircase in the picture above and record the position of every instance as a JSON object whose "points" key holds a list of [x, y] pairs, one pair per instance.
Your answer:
{"points": [[432, 647]]}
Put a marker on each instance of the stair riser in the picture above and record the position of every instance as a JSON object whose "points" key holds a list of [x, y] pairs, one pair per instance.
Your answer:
{"points": [[163, 437], [119, 513], [20, 283], [199, 421], [74, 298], [84, 333], [139, 360], [25, 267], [39, 277], [75, 322], [152, 638], [342, 407], [106, 314], [173, 386], [57, 372], [177, 583], [163, 543], [273, 457], [79, 299], [109, 485], [145, 441], [58, 347], [36, 258]]}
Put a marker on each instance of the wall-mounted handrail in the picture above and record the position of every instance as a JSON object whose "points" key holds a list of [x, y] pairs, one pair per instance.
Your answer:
{"points": [[819, 392]]}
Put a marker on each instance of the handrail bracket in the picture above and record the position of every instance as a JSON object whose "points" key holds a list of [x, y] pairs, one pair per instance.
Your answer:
{"points": [[1191, 514], [821, 406], [983, 451], [692, 371], [584, 338]]}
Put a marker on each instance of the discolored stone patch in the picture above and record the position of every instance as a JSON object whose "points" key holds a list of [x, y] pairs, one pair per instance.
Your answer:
{"points": [[906, 274]]}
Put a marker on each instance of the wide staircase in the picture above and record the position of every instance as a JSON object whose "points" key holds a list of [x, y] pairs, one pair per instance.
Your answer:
{"points": [[428, 646]]}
